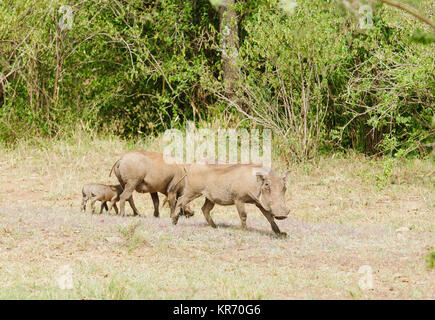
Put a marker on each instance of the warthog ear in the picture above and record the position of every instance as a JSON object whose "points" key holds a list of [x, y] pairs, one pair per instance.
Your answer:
{"points": [[261, 180]]}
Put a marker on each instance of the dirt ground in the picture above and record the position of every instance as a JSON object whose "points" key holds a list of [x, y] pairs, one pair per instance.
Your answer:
{"points": [[357, 231]]}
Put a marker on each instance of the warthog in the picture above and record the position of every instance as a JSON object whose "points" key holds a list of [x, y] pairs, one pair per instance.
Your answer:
{"points": [[101, 192], [147, 172], [236, 185]]}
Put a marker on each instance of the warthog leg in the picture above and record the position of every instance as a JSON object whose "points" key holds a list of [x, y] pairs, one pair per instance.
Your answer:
{"points": [[242, 213], [116, 208], [172, 200], [103, 206], [126, 195], [131, 202], [83, 207], [112, 203], [208, 205], [271, 220], [93, 200], [181, 204], [155, 198]]}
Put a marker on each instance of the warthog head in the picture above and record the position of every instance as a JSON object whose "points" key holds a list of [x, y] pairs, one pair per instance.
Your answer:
{"points": [[272, 194]]}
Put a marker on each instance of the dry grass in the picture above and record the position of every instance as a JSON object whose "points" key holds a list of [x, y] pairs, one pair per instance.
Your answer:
{"points": [[346, 211]]}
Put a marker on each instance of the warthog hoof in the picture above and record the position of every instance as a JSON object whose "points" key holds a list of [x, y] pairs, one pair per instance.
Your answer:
{"points": [[280, 217]]}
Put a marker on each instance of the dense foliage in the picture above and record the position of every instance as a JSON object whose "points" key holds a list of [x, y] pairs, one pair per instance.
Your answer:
{"points": [[133, 67]]}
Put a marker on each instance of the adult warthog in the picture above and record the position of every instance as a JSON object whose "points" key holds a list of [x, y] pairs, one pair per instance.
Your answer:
{"points": [[235, 185], [148, 172]]}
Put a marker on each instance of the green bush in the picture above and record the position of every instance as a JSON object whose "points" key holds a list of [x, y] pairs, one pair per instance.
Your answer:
{"points": [[134, 67]]}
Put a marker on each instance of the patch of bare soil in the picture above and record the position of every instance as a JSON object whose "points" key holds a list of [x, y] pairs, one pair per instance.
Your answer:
{"points": [[325, 256]]}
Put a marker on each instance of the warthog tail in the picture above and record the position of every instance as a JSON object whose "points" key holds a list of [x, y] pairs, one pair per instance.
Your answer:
{"points": [[172, 188], [113, 168]]}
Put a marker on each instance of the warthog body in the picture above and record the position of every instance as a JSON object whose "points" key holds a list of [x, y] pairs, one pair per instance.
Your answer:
{"points": [[147, 172], [101, 192], [235, 185]]}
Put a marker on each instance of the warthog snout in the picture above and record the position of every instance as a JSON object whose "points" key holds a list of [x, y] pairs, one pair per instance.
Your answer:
{"points": [[282, 217]]}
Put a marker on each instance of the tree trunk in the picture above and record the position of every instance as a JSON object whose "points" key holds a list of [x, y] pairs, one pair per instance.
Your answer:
{"points": [[229, 46]]}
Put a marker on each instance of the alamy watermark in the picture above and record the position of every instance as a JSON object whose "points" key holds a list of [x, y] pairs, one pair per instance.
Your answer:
{"points": [[64, 277], [66, 20], [288, 6], [366, 281], [364, 11], [218, 146], [366, 17]]}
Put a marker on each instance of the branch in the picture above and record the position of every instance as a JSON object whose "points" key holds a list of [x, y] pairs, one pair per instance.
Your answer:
{"points": [[410, 10]]}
